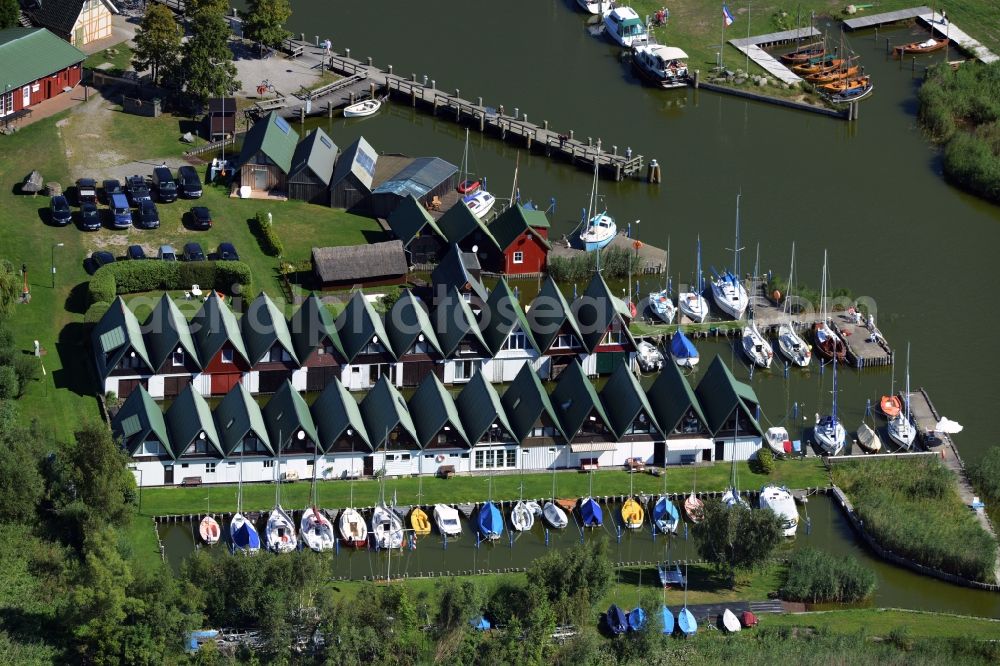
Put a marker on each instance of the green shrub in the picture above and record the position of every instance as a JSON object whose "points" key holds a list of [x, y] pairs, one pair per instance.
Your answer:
{"points": [[27, 368], [129, 277], [985, 474], [972, 161], [267, 237], [815, 576], [9, 387], [101, 286], [764, 462], [615, 262], [95, 312]]}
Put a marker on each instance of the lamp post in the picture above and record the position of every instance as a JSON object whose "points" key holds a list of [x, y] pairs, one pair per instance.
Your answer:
{"points": [[54, 246]]}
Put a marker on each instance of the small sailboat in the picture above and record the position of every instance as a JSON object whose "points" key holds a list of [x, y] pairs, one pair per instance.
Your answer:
{"points": [[595, 7], [666, 620], [617, 622], [316, 530], [685, 618], [636, 619], [387, 528], [804, 53], [632, 514], [692, 304], [660, 302], [755, 346], [368, 107], [730, 623], [446, 519], [823, 63], [728, 291], [790, 343], [829, 431], [280, 532], [829, 345], [868, 438], [489, 521], [901, 429], [591, 513], [352, 528], [917, 48], [683, 351], [419, 522], [479, 201], [599, 229], [242, 534], [732, 495], [665, 515], [554, 515], [848, 90], [781, 502], [535, 508], [521, 518], [208, 530], [694, 507]]}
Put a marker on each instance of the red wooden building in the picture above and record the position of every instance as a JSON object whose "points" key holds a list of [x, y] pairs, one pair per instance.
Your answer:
{"points": [[522, 234], [35, 65], [220, 346]]}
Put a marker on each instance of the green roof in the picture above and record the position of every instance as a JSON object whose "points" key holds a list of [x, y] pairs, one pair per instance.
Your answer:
{"points": [[459, 223], [410, 219], [432, 409], [453, 321], [548, 313], [624, 399], [334, 412], [166, 330], [311, 324], [406, 321], [238, 415], [273, 136], [671, 396], [510, 224], [141, 415], [720, 394], [383, 409], [501, 315], [596, 311], [480, 407], [574, 399], [29, 54], [317, 152], [357, 324], [215, 324], [262, 326], [286, 414], [115, 335], [189, 416], [524, 402]]}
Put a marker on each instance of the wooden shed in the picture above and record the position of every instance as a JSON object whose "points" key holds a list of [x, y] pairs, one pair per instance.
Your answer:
{"points": [[266, 157], [221, 117], [365, 265], [351, 184], [312, 168], [425, 178]]}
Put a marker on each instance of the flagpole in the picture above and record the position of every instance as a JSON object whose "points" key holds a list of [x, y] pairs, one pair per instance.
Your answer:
{"points": [[722, 39]]}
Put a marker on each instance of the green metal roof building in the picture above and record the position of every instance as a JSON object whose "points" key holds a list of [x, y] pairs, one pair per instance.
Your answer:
{"points": [[35, 65]]}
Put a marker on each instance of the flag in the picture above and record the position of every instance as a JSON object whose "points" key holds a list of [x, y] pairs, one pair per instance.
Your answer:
{"points": [[727, 16]]}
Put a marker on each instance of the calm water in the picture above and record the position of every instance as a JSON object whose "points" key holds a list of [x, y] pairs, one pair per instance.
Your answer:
{"points": [[871, 193]]}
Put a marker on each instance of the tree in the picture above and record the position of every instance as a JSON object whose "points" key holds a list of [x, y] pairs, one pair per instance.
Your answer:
{"points": [[21, 484], [208, 68], [98, 605], [736, 538], [158, 41], [265, 21], [584, 569], [460, 602], [10, 287], [9, 13]]}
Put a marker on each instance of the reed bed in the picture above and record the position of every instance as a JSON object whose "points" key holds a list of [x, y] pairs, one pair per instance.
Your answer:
{"points": [[815, 576]]}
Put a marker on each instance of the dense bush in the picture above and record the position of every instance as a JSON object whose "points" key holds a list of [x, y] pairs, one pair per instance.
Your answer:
{"points": [[267, 237], [615, 263], [27, 368], [972, 161], [986, 474], [95, 312], [10, 388], [129, 277], [816, 576], [764, 461]]}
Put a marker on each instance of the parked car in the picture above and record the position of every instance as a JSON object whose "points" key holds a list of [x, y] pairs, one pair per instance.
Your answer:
{"points": [[137, 189], [121, 214], [111, 186], [86, 191], [164, 183], [193, 252], [135, 252], [148, 216], [59, 210], [201, 218], [167, 253], [102, 258], [90, 217], [188, 182], [227, 252]]}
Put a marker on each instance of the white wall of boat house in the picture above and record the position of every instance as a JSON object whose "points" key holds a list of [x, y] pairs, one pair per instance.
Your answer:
{"points": [[299, 378], [681, 451], [743, 448], [504, 367]]}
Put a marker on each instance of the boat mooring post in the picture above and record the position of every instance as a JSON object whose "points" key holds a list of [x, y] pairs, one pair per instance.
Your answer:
{"points": [[546, 537], [685, 531], [510, 533]]}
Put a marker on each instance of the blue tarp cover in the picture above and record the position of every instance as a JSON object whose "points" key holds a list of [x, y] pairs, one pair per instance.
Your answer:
{"points": [[682, 347]]}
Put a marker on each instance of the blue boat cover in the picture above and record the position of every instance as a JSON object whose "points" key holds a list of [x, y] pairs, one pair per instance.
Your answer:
{"points": [[686, 622], [668, 620], [480, 623], [591, 513], [246, 537], [681, 347], [664, 509], [636, 619], [617, 622], [490, 521]]}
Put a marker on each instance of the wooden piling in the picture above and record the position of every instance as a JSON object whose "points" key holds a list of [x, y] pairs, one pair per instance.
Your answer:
{"points": [[697, 78]]}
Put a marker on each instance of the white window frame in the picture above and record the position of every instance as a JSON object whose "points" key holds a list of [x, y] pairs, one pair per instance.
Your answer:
{"points": [[227, 355], [177, 355], [519, 257]]}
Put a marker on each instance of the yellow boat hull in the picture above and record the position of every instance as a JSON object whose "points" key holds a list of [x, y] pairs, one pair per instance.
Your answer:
{"points": [[632, 514], [419, 522]]}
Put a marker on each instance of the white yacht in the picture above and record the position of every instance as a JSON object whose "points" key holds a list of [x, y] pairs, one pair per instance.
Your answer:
{"points": [[625, 27], [446, 519], [662, 306], [901, 428], [756, 347], [780, 501], [663, 66], [792, 346], [387, 527], [595, 7]]}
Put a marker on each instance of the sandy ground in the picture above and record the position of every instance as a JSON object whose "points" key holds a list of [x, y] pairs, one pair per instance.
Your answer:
{"points": [[287, 76]]}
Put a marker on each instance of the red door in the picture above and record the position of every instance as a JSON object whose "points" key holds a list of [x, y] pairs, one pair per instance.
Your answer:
{"points": [[224, 381]]}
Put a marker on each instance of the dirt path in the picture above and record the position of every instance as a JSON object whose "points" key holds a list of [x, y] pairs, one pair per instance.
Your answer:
{"points": [[83, 135]]}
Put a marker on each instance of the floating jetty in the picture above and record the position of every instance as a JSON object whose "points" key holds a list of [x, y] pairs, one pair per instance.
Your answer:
{"points": [[934, 21]]}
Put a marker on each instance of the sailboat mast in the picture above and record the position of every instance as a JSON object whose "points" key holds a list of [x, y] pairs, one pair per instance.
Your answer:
{"points": [[907, 402], [701, 286], [788, 286], [513, 188], [736, 247]]}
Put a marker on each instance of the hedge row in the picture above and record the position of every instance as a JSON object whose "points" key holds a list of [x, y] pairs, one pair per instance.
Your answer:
{"points": [[268, 239], [129, 277]]}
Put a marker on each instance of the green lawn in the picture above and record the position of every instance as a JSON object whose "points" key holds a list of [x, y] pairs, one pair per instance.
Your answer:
{"points": [[882, 621], [166, 501], [120, 61]]}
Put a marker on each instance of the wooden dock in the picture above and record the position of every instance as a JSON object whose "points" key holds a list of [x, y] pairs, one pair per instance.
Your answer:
{"points": [[865, 348], [753, 47], [932, 19], [872, 20], [510, 126]]}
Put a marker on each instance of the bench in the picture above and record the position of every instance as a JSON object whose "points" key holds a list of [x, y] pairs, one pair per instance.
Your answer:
{"points": [[446, 471], [191, 481], [588, 464]]}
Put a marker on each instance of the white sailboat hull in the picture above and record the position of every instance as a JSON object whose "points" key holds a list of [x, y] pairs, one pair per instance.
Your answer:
{"points": [[352, 528], [280, 532], [521, 518], [693, 306], [554, 515], [662, 306], [902, 431], [831, 439], [756, 347], [731, 300], [793, 347], [316, 530], [730, 622], [869, 439], [387, 528]]}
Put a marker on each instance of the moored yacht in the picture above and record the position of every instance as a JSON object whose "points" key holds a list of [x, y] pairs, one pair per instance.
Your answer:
{"points": [[624, 26], [663, 66], [780, 501]]}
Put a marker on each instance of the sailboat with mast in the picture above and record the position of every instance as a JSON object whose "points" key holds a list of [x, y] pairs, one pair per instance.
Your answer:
{"points": [[522, 518], [693, 506], [418, 517], [732, 495], [790, 343], [755, 346], [805, 52], [552, 512], [315, 528], [632, 512], [242, 534], [474, 195], [350, 524], [665, 515], [279, 533], [829, 431], [590, 511], [490, 520], [692, 304], [901, 429], [599, 229], [685, 618], [387, 526], [208, 528], [829, 345], [728, 291], [661, 302], [683, 351]]}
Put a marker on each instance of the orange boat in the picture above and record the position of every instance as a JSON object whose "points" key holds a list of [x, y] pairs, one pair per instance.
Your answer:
{"points": [[209, 530], [825, 65], [804, 54], [834, 75], [890, 405], [846, 85], [928, 46]]}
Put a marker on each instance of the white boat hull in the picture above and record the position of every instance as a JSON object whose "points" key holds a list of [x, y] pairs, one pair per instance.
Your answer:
{"points": [[756, 347], [649, 357], [480, 203], [316, 530], [868, 439], [693, 306], [831, 440], [793, 347], [730, 622], [352, 528], [521, 518], [446, 519], [686, 362], [901, 430], [280, 532], [662, 306], [781, 502], [368, 107], [776, 438], [554, 515], [730, 300], [387, 528]]}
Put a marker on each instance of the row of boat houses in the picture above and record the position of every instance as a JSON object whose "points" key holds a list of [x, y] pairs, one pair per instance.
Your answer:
{"points": [[482, 428], [467, 331]]}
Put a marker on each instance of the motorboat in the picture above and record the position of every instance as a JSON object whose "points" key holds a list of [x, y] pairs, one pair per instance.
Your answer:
{"points": [[683, 351], [649, 357], [554, 515], [387, 528], [636, 619], [916, 48], [601, 230], [781, 502], [686, 622], [208, 530], [624, 27], [792, 346], [419, 522], [591, 513], [830, 435], [756, 347], [890, 405], [368, 107], [868, 439], [521, 518], [691, 303], [667, 620], [732, 497], [480, 203], [663, 66], [243, 535], [352, 528], [662, 306], [778, 441], [730, 623], [665, 515], [694, 508], [632, 514], [730, 295], [446, 519], [279, 533], [474, 195], [617, 622], [316, 530], [489, 520], [595, 7]]}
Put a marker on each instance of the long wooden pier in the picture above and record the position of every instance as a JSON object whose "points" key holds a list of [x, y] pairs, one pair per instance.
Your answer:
{"points": [[937, 24], [753, 47]]}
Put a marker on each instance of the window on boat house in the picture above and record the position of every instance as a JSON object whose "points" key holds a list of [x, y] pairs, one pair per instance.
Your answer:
{"points": [[421, 347], [464, 370], [250, 444], [177, 358], [373, 348], [495, 459], [519, 257], [151, 447], [641, 425], [564, 341], [227, 355], [210, 468], [688, 425], [614, 336], [278, 354], [516, 340]]}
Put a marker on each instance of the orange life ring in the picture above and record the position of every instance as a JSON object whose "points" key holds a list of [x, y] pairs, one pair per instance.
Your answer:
{"points": [[440, 458]]}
